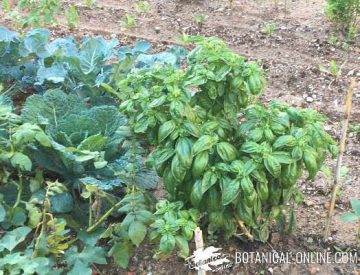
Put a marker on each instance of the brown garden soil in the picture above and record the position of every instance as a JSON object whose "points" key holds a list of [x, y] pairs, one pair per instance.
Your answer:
{"points": [[291, 59]]}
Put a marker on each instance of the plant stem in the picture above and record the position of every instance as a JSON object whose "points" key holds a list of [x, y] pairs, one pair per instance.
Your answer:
{"points": [[109, 89], [9, 90], [98, 208], [90, 211], [243, 228], [104, 217], [43, 227], [71, 242], [20, 189]]}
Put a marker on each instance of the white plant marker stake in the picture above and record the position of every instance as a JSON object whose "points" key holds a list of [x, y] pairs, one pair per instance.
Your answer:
{"points": [[199, 243]]}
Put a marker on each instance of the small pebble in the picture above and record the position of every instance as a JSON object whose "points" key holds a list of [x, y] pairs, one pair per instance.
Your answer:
{"points": [[309, 99], [350, 73]]}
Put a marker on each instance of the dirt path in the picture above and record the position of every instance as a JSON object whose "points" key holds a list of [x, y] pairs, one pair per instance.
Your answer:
{"points": [[291, 58]]}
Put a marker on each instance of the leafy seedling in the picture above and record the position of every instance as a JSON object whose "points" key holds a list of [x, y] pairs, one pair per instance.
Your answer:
{"points": [[269, 29], [142, 8], [344, 174], [332, 40], [342, 250], [129, 22], [353, 216], [354, 128], [334, 70], [200, 19], [6, 5], [353, 31], [72, 17], [345, 46], [90, 3], [173, 227]]}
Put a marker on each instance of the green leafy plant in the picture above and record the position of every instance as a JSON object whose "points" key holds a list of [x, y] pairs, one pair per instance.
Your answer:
{"points": [[345, 46], [85, 142], [200, 19], [72, 17], [173, 227], [333, 40], [133, 229], [142, 8], [90, 3], [355, 129], [333, 70], [72, 66], [15, 262], [70, 160], [49, 241], [81, 137], [6, 5], [239, 172], [344, 13], [129, 22], [31, 62], [28, 13], [19, 139], [353, 216], [269, 29], [50, 198], [352, 33]]}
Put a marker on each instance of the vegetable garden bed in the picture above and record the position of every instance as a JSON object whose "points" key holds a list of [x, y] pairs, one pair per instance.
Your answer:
{"points": [[103, 144]]}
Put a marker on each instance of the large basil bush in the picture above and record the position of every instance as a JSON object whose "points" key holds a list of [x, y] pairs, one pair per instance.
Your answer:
{"points": [[217, 148]]}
